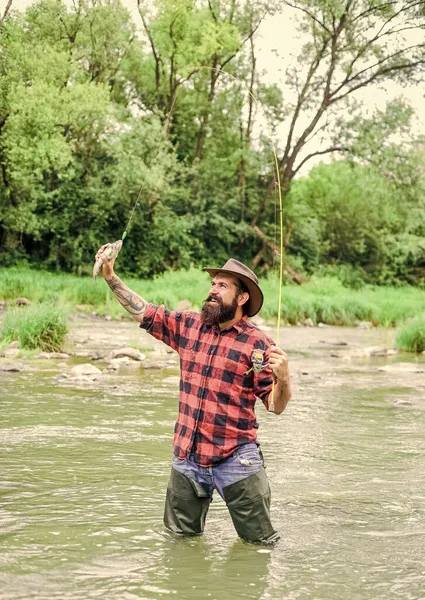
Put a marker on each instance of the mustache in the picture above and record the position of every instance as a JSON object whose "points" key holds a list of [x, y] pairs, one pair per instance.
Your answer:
{"points": [[217, 298]]}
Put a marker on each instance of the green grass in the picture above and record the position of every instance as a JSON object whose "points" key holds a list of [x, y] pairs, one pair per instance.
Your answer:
{"points": [[412, 335], [41, 326], [323, 299], [326, 300]]}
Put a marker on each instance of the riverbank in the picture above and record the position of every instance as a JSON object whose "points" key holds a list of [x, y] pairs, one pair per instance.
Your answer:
{"points": [[321, 300], [104, 353]]}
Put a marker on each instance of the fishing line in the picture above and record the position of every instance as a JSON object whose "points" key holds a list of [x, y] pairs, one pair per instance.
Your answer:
{"points": [[167, 121], [132, 213]]}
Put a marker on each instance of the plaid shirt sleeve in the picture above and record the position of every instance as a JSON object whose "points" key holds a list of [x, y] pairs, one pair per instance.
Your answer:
{"points": [[263, 381], [163, 324]]}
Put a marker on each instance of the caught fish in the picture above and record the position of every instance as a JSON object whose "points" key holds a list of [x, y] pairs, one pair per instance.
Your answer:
{"points": [[111, 252]]}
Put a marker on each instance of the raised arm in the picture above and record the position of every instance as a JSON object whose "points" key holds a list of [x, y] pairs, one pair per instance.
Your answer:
{"points": [[131, 301]]}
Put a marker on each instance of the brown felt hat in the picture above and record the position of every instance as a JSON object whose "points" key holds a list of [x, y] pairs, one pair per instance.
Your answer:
{"points": [[239, 270]]}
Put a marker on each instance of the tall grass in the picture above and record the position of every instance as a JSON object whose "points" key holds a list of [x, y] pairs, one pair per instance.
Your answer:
{"points": [[322, 299], [412, 335], [40, 326]]}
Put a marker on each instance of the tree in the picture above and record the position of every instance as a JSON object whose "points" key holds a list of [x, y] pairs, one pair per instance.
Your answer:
{"points": [[347, 214], [73, 155], [351, 45]]}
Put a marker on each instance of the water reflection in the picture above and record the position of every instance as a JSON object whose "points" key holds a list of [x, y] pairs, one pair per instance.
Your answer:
{"points": [[212, 570]]}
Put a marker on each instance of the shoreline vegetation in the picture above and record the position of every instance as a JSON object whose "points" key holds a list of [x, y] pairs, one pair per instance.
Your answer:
{"points": [[322, 300]]}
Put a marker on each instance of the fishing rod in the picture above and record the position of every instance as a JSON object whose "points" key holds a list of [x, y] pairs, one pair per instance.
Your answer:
{"points": [[279, 194], [278, 187]]}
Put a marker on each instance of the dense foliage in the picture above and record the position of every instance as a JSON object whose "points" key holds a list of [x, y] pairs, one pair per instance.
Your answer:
{"points": [[94, 114]]}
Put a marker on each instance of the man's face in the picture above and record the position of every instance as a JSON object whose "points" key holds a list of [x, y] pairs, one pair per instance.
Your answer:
{"points": [[222, 302]]}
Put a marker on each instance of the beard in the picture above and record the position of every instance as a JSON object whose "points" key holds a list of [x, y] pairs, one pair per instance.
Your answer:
{"points": [[218, 313]]}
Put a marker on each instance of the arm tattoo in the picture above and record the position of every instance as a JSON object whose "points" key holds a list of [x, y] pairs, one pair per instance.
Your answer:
{"points": [[132, 303]]}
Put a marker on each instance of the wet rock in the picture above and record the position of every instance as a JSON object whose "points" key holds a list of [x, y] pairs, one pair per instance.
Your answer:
{"points": [[112, 367], [85, 369], [365, 325], [98, 355], [124, 361], [78, 379], [22, 302], [308, 323], [10, 367], [11, 352], [381, 352], [54, 355], [127, 353], [402, 368]]}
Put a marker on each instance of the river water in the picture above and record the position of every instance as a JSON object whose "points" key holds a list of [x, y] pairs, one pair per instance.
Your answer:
{"points": [[85, 467]]}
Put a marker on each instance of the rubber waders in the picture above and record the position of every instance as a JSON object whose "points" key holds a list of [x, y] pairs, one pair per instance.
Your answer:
{"points": [[186, 505], [248, 502]]}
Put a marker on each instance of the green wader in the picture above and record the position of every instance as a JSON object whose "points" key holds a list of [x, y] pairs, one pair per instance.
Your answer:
{"points": [[186, 505], [248, 502]]}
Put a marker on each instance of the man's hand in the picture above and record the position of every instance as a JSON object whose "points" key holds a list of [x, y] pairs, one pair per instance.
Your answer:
{"points": [[281, 392], [279, 364], [108, 265]]}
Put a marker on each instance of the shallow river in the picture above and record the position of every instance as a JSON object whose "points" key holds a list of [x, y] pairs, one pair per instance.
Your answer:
{"points": [[84, 471]]}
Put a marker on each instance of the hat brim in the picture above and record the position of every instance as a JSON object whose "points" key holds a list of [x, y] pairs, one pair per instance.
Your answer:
{"points": [[256, 297]]}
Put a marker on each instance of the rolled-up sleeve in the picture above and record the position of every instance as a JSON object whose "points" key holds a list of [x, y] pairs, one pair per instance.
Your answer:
{"points": [[163, 324]]}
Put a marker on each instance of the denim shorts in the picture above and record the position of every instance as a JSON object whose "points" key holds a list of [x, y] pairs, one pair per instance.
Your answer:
{"points": [[244, 462]]}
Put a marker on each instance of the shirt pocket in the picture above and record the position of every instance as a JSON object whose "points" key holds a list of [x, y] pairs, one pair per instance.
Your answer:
{"points": [[236, 371]]}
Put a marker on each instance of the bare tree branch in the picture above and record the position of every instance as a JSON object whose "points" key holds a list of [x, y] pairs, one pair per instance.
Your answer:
{"points": [[158, 60], [212, 11], [377, 74], [320, 153], [6, 10], [309, 14]]}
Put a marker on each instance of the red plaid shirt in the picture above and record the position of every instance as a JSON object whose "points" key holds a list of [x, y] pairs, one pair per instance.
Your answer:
{"points": [[217, 394]]}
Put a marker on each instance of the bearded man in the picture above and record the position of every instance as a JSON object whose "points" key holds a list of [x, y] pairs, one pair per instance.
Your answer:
{"points": [[226, 363]]}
